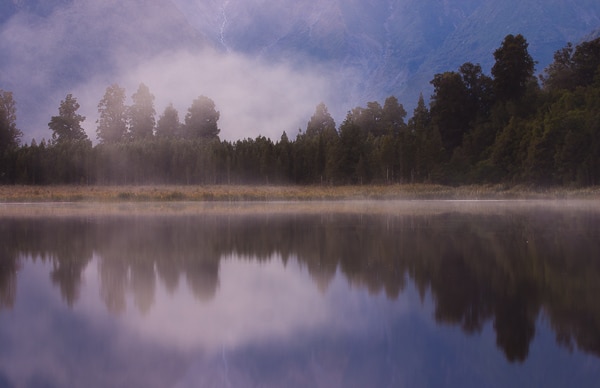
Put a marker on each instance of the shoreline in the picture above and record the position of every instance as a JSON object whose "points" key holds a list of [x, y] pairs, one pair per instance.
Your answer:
{"points": [[235, 193]]}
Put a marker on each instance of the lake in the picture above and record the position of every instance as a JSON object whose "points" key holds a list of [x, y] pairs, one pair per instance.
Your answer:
{"points": [[294, 294]]}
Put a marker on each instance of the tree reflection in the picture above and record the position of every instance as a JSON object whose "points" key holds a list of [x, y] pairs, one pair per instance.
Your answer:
{"points": [[65, 245], [70, 252], [479, 268], [8, 280]]}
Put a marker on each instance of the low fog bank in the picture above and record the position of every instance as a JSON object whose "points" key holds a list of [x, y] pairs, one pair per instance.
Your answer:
{"points": [[253, 97]]}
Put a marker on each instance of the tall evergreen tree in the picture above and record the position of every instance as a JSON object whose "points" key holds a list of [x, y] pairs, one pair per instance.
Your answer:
{"points": [[321, 122], [450, 110], [513, 69], [480, 90], [168, 125], [142, 114], [427, 145], [349, 151], [370, 119], [67, 125], [112, 124], [10, 135], [393, 115], [201, 120]]}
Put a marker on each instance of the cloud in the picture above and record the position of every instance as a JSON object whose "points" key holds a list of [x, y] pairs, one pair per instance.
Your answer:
{"points": [[253, 97], [84, 46]]}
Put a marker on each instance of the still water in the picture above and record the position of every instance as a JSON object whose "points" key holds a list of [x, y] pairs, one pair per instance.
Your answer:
{"points": [[344, 294]]}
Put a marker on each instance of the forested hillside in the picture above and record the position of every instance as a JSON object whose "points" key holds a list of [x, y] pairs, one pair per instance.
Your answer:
{"points": [[507, 126]]}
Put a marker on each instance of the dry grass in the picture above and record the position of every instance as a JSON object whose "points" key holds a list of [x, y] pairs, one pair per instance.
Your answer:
{"points": [[282, 193]]}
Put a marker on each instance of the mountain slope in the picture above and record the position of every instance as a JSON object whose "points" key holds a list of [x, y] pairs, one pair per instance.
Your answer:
{"points": [[394, 46], [382, 42]]}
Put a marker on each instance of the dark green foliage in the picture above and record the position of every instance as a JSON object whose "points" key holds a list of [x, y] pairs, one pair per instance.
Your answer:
{"points": [[10, 135], [561, 73], [461, 101], [66, 127], [513, 68], [586, 62], [349, 152], [450, 110], [426, 151], [112, 123], [573, 67], [71, 162], [321, 122], [392, 118]]}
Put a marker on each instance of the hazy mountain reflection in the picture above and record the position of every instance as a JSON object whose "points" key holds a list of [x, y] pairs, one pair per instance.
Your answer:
{"points": [[507, 267]]}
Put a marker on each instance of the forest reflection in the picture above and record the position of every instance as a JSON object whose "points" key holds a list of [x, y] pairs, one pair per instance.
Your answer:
{"points": [[506, 269]]}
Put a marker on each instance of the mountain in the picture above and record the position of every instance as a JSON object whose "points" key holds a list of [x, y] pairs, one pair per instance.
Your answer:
{"points": [[394, 46], [382, 42], [267, 63]]}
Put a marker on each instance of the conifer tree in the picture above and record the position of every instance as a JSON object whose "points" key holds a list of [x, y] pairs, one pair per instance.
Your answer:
{"points": [[10, 135], [201, 120], [142, 114], [67, 125], [513, 68], [168, 125], [112, 124]]}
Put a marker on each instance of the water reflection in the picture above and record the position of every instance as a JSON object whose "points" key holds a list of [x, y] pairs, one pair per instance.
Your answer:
{"points": [[505, 267]]}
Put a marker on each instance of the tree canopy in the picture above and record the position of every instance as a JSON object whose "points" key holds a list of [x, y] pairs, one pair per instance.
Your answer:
{"points": [[513, 69], [142, 114], [112, 124], [573, 67], [10, 135], [168, 125], [201, 120], [67, 125], [321, 122]]}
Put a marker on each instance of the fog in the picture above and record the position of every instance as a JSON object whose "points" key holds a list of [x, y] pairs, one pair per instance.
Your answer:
{"points": [[84, 46], [253, 97]]}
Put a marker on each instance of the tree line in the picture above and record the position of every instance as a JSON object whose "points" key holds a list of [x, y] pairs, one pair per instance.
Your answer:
{"points": [[505, 127]]}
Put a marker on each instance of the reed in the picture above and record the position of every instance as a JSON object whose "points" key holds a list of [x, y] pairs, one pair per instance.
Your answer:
{"points": [[168, 193]]}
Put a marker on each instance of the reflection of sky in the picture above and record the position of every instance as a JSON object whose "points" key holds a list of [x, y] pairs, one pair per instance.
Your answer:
{"points": [[255, 302], [268, 325]]}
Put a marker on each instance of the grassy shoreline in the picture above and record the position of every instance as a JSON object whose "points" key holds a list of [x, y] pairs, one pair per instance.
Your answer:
{"points": [[172, 193]]}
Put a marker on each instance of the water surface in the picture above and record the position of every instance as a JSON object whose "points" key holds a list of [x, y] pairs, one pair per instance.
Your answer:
{"points": [[379, 294]]}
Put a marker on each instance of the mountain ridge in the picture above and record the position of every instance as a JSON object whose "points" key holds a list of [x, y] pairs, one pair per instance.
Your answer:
{"points": [[398, 45]]}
